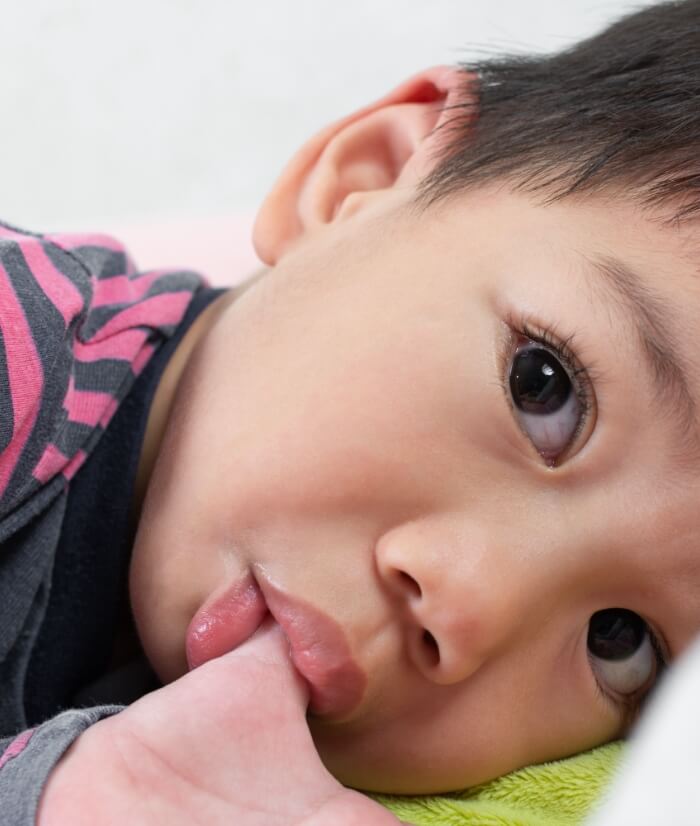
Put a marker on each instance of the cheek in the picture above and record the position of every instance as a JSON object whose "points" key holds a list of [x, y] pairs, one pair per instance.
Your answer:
{"points": [[339, 407], [442, 744], [522, 708]]}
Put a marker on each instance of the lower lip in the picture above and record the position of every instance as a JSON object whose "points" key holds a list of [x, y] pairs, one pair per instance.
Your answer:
{"points": [[320, 653], [225, 622]]}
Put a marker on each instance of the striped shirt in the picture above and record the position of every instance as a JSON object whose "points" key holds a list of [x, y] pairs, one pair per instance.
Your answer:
{"points": [[78, 324]]}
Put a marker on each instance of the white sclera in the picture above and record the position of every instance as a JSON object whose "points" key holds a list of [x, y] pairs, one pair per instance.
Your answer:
{"points": [[628, 675], [551, 432]]}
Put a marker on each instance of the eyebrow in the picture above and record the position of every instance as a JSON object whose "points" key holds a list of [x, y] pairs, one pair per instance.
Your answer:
{"points": [[653, 320]]}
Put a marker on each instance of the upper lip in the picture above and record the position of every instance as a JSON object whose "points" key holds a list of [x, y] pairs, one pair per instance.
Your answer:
{"points": [[319, 650]]}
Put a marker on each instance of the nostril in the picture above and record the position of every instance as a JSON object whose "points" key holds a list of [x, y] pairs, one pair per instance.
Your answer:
{"points": [[409, 584], [431, 647]]}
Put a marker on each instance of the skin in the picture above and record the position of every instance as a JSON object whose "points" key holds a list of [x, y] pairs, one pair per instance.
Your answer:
{"points": [[340, 425], [249, 760]]}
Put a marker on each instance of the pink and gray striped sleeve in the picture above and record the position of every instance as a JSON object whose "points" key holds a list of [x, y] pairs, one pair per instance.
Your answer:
{"points": [[28, 759], [77, 325]]}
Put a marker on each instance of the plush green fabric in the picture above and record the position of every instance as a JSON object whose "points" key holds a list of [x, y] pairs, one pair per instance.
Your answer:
{"points": [[561, 793]]}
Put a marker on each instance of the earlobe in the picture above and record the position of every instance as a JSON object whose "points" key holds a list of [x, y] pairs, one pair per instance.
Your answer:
{"points": [[351, 162]]}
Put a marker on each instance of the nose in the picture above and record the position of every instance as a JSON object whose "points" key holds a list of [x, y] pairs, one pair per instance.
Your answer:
{"points": [[460, 597]]}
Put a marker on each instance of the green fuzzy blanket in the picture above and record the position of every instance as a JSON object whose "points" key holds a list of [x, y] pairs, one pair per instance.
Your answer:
{"points": [[562, 793]]}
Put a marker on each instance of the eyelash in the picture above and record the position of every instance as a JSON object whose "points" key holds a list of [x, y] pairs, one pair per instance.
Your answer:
{"points": [[582, 376]]}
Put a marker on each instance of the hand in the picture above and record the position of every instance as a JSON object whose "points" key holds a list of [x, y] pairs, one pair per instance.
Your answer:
{"points": [[225, 744]]}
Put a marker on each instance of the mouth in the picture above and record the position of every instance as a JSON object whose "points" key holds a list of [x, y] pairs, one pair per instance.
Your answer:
{"points": [[319, 649], [224, 621]]}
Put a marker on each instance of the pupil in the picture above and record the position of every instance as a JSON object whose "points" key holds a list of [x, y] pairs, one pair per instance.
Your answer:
{"points": [[538, 383], [615, 634]]}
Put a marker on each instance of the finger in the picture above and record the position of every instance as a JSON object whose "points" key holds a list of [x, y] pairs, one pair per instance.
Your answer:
{"points": [[268, 644], [269, 647], [222, 714]]}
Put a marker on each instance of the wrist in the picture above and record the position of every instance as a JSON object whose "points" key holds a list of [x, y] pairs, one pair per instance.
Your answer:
{"points": [[77, 790]]}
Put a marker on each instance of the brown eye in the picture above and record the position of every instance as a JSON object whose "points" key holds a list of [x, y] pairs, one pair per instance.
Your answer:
{"points": [[621, 650], [544, 398]]}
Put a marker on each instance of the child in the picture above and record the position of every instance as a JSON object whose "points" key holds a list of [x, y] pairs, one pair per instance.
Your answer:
{"points": [[448, 444]]}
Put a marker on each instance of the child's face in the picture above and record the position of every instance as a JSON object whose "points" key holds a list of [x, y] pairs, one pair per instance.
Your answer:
{"points": [[344, 434]]}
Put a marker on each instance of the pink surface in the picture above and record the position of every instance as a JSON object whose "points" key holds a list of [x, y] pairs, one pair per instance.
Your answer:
{"points": [[24, 373], [86, 406], [218, 246], [52, 460], [16, 746], [126, 347]]}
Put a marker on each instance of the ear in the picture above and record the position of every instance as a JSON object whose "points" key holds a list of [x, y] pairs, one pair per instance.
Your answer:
{"points": [[347, 164]]}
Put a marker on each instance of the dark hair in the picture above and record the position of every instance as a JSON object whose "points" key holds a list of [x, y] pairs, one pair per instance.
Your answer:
{"points": [[620, 109]]}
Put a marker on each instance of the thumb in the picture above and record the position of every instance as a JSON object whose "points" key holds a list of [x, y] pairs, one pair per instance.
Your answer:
{"points": [[254, 688], [267, 645]]}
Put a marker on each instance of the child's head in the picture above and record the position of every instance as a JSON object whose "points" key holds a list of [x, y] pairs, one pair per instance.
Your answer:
{"points": [[459, 414]]}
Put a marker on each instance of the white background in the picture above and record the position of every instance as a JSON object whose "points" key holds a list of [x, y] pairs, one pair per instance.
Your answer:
{"points": [[158, 110]]}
